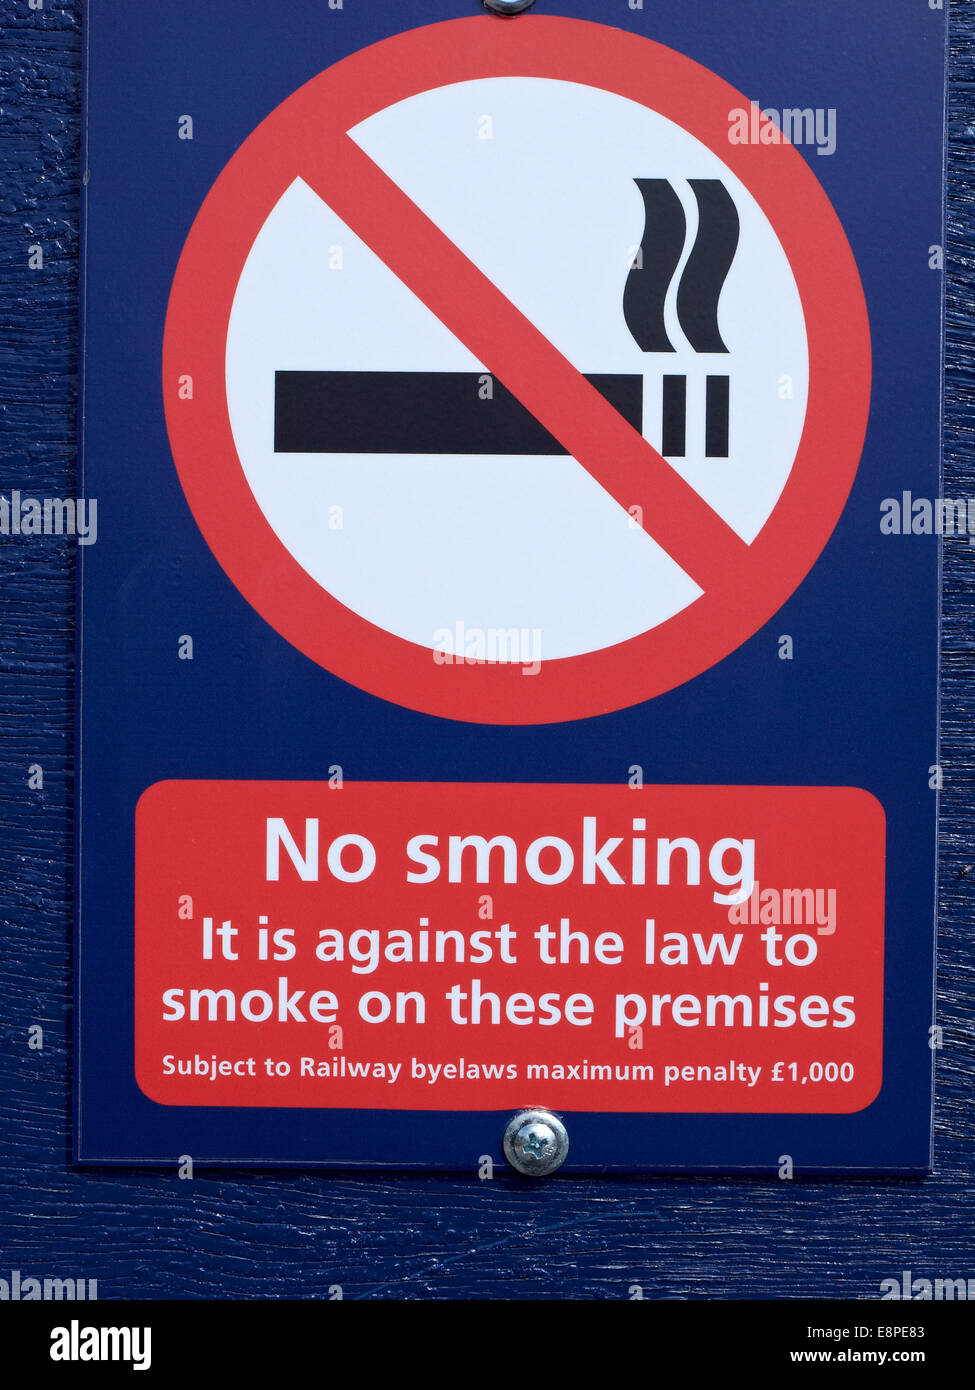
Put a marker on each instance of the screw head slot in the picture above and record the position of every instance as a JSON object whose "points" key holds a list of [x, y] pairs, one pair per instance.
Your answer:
{"points": [[536, 1143]]}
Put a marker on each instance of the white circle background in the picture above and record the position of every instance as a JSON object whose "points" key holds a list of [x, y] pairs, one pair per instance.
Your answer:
{"points": [[548, 209]]}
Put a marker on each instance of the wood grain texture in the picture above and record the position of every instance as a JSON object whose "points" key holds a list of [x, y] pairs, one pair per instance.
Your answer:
{"points": [[243, 1235]]}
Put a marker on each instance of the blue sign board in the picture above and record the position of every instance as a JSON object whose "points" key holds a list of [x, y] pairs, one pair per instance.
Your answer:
{"points": [[509, 652]]}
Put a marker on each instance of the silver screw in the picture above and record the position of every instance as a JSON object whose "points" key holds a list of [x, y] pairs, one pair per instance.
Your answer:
{"points": [[508, 6], [535, 1143]]}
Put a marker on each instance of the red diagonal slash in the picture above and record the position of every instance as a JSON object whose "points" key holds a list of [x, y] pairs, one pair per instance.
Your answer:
{"points": [[513, 349]]}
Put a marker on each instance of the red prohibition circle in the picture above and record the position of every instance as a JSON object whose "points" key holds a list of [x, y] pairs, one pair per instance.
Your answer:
{"points": [[737, 600]]}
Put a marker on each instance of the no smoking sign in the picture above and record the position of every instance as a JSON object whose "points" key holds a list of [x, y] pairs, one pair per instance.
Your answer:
{"points": [[505, 386], [516, 371]]}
